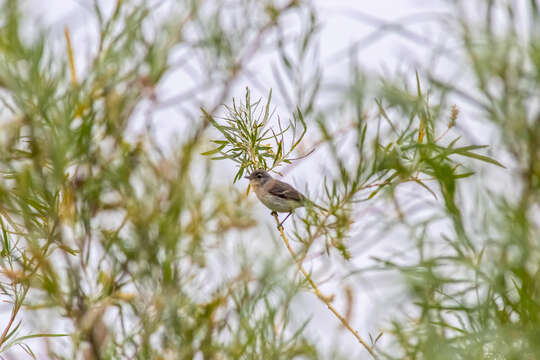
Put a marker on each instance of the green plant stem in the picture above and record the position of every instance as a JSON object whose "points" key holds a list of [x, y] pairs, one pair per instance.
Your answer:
{"points": [[14, 312]]}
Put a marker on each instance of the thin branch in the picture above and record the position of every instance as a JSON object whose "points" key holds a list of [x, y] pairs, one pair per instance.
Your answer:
{"points": [[70, 57], [317, 292], [240, 64], [14, 312]]}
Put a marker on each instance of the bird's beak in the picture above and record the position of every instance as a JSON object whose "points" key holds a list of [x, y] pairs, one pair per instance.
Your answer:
{"points": [[247, 177]]}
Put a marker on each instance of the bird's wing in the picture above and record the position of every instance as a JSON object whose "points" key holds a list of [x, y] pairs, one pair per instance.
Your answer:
{"points": [[284, 190]]}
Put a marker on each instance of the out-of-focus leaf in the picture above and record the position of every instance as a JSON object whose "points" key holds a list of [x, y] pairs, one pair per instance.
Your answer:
{"points": [[479, 157]]}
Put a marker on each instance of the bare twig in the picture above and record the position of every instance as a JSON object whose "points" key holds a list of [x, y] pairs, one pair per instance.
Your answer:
{"points": [[70, 57]]}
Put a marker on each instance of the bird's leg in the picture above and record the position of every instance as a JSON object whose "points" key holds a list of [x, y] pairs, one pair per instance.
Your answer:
{"points": [[281, 223], [274, 214]]}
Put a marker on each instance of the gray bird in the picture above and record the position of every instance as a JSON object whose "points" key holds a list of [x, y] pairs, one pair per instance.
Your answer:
{"points": [[274, 194]]}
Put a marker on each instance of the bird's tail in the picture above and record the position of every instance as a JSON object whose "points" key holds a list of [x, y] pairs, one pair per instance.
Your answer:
{"points": [[311, 203]]}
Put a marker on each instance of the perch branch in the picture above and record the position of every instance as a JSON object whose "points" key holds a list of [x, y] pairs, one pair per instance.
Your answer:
{"points": [[324, 299]]}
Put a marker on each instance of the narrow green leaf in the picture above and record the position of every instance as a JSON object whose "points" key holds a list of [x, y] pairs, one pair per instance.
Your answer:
{"points": [[220, 142], [267, 108], [481, 158], [13, 331], [418, 88], [451, 145], [470, 147], [464, 175], [7, 248], [22, 338], [375, 192], [223, 158], [214, 151], [426, 187]]}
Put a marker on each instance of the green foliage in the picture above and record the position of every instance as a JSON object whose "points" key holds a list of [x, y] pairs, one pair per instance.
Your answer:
{"points": [[107, 231], [247, 134], [141, 254], [481, 301]]}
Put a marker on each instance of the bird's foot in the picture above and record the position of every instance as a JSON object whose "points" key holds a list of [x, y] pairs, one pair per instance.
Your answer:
{"points": [[280, 225]]}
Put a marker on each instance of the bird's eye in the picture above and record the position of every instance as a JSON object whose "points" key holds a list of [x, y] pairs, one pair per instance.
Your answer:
{"points": [[259, 176]]}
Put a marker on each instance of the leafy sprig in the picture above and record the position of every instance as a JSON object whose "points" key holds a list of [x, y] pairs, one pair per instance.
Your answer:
{"points": [[248, 135]]}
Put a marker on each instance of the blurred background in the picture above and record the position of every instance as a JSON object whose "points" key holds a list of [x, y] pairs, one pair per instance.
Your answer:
{"points": [[127, 231]]}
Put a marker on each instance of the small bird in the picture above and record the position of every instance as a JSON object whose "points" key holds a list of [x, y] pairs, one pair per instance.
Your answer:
{"points": [[274, 194]]}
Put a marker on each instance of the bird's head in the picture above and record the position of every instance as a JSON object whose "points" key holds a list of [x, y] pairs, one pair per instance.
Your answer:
{"points": [[258, 177]]}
